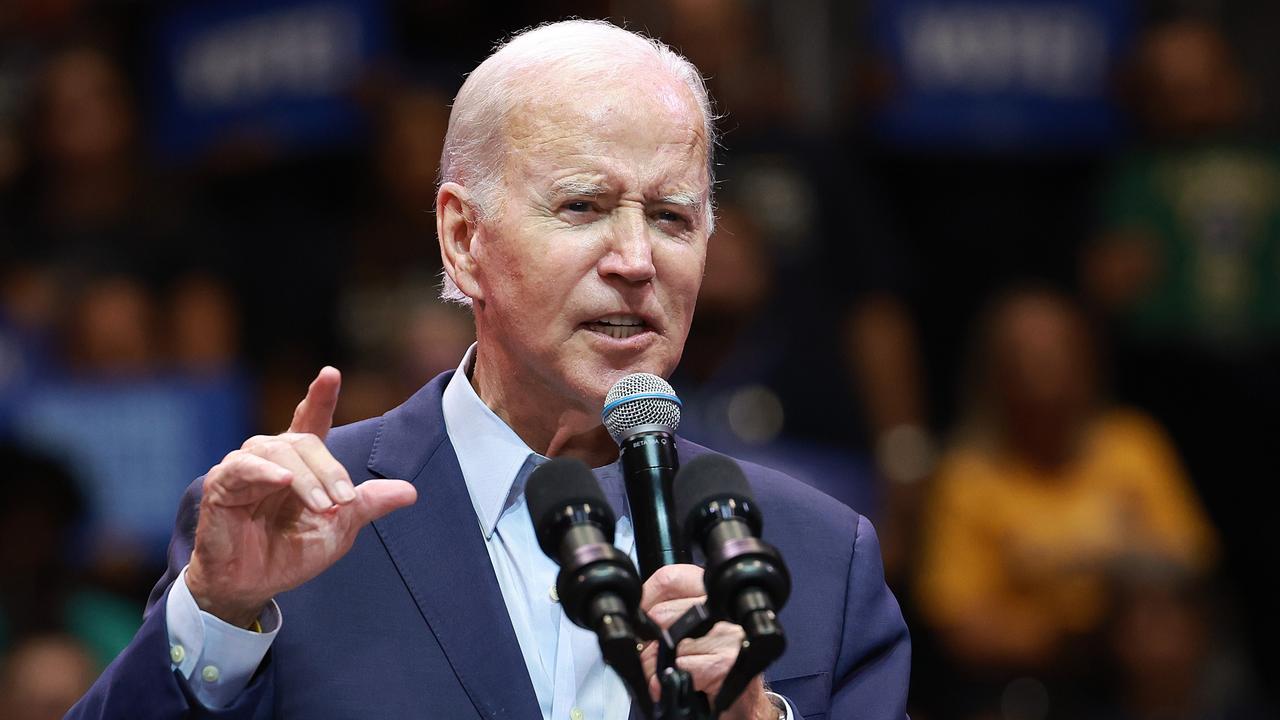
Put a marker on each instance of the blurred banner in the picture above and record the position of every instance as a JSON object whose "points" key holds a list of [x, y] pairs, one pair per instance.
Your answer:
{"points": [[1000, 75], [134, 445], [279, 73]]}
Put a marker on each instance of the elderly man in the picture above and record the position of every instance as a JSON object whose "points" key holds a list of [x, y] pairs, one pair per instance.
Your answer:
{"points": [[573, 218]]}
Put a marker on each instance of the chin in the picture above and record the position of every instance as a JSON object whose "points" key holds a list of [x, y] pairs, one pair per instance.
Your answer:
{"points": [[591, 373], [593, 385]]}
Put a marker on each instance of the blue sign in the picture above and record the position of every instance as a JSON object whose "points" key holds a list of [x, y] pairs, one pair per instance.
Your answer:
{"points": [[279, 72], [135, 445], [1001, 75]]}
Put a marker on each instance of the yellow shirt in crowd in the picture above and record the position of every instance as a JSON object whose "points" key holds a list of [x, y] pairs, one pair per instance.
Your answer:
{"points": [[1030, 552]]}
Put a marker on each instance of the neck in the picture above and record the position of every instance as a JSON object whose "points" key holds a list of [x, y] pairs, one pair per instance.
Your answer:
{"points": [[548, 424]]}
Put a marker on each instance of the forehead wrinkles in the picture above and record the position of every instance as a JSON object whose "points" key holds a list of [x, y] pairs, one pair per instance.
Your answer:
{"points": [[635, 121]]}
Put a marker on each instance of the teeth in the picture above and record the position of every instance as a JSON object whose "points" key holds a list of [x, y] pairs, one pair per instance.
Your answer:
{"points": [[629, 320], [618, 332]]}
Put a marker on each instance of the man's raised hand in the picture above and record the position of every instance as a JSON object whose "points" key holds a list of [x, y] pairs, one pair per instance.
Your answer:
{"points": [[281, 510]]}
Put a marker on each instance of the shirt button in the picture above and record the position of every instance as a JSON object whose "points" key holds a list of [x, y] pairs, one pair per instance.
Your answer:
{"points": [[555, 596], [177, 653], [209, 674], [576, 714]]}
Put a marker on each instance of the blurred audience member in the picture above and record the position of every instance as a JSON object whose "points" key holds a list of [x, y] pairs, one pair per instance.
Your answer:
{"points": [[42, 589], [87, 203], [1172, 657], [1186, 266], [112, 329], [203, 326], [1192, 233], [43, 677], [1042, 494]]}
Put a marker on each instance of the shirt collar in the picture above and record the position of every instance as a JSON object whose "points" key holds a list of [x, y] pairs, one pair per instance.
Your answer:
{"points": [[489, 452]]}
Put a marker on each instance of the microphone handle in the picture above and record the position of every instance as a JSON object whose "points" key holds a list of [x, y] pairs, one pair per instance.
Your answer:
{"points": [[649, 464]]}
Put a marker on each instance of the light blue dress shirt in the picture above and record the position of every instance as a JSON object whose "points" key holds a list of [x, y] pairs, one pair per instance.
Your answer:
{"points": [[570, 678]]}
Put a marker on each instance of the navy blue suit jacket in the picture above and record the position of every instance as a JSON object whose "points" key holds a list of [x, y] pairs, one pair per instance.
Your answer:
{"points": [[411, 623]]}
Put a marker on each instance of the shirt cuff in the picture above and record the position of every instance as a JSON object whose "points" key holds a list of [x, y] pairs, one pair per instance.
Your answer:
{"points": [[788, 712], [217, 659]]}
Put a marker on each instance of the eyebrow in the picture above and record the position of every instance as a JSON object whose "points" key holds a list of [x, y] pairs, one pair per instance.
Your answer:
{"points": [[683, 198], [577, 186], [569, 187]]}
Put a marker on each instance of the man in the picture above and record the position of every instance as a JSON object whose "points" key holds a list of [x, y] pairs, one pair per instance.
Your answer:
{"points": [[573, 218]]}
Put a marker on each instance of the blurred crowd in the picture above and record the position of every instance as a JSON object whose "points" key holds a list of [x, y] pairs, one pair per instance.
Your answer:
{"points": [[1004, 276]]}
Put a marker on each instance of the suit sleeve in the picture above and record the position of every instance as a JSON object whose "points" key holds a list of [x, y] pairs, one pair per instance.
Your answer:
{"points": [[141, 684], [874, 668]]}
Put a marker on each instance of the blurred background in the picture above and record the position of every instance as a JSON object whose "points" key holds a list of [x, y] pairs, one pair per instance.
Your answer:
{"points": [[1002, 274]]}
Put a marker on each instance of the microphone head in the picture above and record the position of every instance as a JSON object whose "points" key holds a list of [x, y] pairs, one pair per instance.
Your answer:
{"points": [[709, 478], [640, 399], [558, 484]]}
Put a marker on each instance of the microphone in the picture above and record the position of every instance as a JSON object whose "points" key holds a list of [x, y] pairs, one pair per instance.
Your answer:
{"points": [[575, 527], [641, 411], [597, 585], [745, 578]]}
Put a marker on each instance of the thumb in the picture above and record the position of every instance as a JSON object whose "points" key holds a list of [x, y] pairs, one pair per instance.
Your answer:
{"points": [[375, 498], [315, 413]]}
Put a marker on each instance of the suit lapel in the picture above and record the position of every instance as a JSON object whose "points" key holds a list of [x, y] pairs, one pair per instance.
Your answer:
{"points": [[437, 546]]}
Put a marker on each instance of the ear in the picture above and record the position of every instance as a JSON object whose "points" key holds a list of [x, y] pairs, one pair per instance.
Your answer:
{"points": [[457, 227]]}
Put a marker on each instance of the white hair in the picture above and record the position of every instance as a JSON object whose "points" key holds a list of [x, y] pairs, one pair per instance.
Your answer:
{"points": [[474, 147]]}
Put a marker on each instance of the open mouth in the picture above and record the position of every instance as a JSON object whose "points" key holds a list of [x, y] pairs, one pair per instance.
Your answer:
{"points": [[618, 327]]}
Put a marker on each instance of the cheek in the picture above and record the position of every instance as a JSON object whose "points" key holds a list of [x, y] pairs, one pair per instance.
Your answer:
{"points": [[536, 274], [684, 272]]}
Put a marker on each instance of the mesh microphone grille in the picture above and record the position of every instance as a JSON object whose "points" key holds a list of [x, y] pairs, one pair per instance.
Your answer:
{"points": [[631, 403]]}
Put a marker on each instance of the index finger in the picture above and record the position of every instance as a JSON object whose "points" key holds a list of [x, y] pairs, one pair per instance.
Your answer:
{"points": [[672, 582], [315, 413]]}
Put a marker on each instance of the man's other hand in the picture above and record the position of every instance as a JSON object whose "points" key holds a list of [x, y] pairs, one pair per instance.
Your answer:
{"points": [[668, 593], [279, 511]]}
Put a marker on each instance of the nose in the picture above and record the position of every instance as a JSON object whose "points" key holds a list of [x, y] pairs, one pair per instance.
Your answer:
{"points": [[629, 254]]}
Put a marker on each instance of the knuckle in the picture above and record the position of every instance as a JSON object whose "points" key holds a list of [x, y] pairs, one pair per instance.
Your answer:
{"points": [[304, 440], [305, 479], [664, 581], [337, 469], [239, 464], [225, 466], [255, 441], [723, 661], [272, 447]]}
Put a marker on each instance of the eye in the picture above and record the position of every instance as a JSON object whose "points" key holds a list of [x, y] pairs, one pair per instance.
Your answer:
{"points": [[670, 217], [578, 206]]}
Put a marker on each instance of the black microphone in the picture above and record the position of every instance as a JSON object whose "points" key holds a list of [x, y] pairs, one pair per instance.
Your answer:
{"points": [[597, 584], [746, 580], [642, 412], [575, 528]]}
